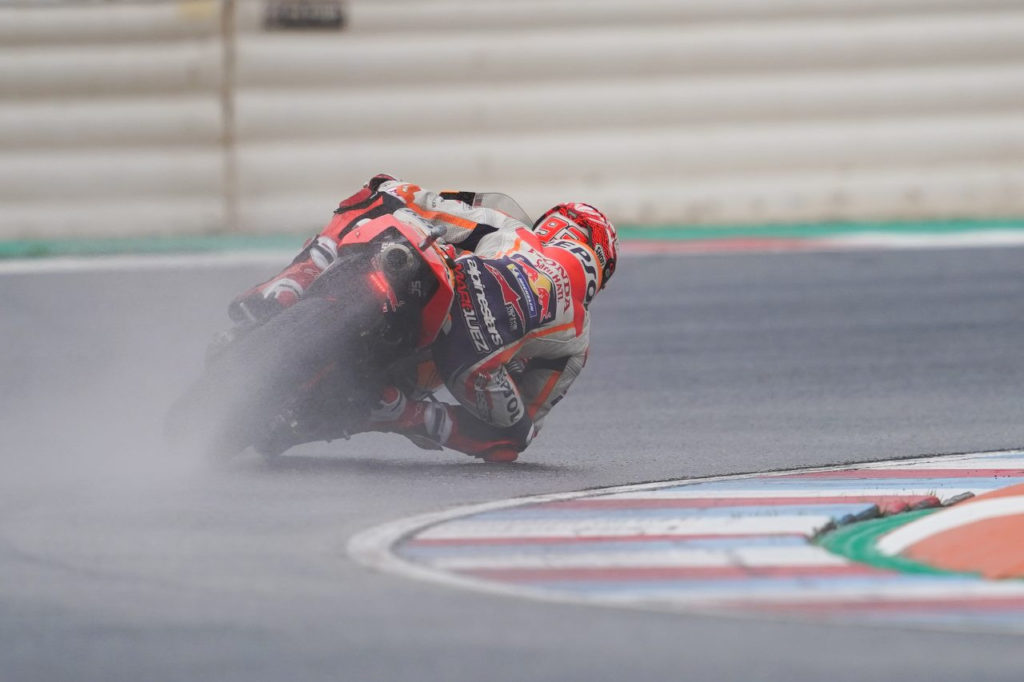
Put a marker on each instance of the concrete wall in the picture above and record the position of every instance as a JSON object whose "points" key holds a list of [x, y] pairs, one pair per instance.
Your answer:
{"points": [[179, 117], [111, 121]]}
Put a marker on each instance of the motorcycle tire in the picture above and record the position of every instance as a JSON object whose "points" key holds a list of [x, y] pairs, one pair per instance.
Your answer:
{"points": [[249, 384]]}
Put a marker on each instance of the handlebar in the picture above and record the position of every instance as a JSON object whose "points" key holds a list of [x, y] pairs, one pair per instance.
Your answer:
{"points": [[434, 232]]}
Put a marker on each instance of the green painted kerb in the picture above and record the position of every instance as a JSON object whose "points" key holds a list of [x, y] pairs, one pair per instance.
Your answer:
{"points": [[30, 248], [859, 542]]}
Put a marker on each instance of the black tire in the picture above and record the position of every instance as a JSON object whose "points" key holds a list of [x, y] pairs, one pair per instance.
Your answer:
{"points": [[234, 404]]}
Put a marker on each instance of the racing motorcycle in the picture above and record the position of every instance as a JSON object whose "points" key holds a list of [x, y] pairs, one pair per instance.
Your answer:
{"points": [[313, 371]]}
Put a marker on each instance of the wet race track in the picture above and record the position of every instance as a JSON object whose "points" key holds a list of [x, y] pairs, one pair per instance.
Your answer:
{"points": [[118, 562]]}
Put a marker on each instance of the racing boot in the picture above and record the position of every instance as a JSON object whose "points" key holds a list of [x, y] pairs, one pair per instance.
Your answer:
{"points": [[432, 425], [498, 456], [424, 422], [265, 300]]}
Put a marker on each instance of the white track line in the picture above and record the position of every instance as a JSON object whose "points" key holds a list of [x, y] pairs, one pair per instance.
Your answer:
{"points": [[807, 555], [134, 263], [809, 492], [543, 528]]}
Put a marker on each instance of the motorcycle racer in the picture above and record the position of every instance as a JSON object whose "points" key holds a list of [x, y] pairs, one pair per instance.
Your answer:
{"points": [[519, 335], [518, 329]]}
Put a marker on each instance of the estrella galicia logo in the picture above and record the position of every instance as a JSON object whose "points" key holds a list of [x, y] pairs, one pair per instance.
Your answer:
{"points": [[536, 286]]}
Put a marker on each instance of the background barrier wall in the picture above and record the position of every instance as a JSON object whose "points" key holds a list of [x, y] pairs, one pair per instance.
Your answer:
{"points": [[193, 117]]}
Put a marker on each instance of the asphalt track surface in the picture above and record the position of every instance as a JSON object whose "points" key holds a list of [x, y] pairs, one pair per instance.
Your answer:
{"points": [[118, 562]]}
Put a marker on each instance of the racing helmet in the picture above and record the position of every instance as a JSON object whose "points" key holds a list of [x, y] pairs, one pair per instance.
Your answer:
{"points": [[584, 224]]}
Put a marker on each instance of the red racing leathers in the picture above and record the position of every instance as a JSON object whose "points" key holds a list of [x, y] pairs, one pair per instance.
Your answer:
{"points": [[518, 338]]}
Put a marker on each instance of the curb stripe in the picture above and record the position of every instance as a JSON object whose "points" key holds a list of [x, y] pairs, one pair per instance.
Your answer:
{"points": [[684, 573], [420, 541], [521, 549], [649, 511], [898, 540], [649, 557], [921, 474], [609, 527], [639, 545], [862, 490], [705, 503], [783, 484]]}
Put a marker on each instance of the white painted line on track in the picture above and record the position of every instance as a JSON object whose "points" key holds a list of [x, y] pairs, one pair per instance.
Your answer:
{"points": [[627, 527], [860, 241], [134, 263], [808, 492], [806, 555], [1010, 461], [971, 239]]}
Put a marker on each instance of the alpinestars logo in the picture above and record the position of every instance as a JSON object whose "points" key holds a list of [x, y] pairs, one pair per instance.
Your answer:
{"points": [[469, 312], [473, 270], [510, 298]]}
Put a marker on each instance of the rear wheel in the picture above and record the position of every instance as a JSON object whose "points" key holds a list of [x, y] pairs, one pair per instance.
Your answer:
{"points": [[313, 356]]}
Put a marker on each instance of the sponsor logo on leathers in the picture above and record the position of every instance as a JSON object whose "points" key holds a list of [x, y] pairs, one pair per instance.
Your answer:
{"points": [[585, 257], [541, 286], [469, 315], [510, 298], [510, 400], [558, 277], [524, 286], [497, 400], [473, 270]]}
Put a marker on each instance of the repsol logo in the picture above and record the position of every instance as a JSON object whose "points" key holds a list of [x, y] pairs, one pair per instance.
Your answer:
{"points": [[512, 405]]}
